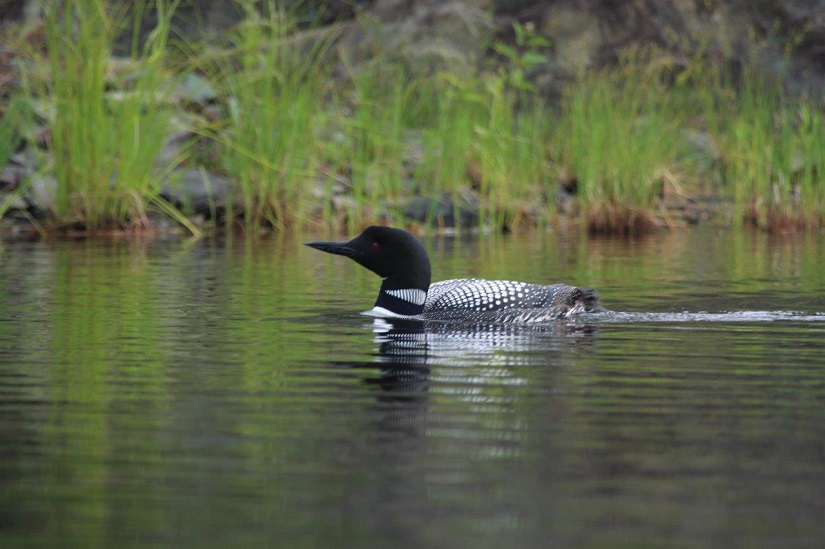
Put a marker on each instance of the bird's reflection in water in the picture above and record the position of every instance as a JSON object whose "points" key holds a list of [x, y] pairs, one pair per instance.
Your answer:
{"points": [[447, 388], [409, 349]]}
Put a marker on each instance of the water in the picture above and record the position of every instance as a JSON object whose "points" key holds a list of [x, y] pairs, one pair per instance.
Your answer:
{"points": [[190, 393]]}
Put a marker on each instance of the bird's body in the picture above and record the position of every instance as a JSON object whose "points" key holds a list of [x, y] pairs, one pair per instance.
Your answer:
{"points": [[402, 262]]}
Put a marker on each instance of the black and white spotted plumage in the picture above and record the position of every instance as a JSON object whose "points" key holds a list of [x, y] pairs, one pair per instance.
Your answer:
{"points": [[402, 263], [505, 301]]}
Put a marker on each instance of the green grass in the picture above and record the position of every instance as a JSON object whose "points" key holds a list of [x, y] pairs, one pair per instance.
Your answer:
{"points": [[104, 145], [449, 139], [620, 133], [480, 142], [271, 141], [16, 116], [370, 137], [288, 133], [774, 156], [772, 161], [514, 156], [619, 136], [304, 147], [13, 125]]}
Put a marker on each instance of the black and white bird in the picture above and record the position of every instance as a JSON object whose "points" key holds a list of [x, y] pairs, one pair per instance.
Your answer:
{"points": [[402, 262]]}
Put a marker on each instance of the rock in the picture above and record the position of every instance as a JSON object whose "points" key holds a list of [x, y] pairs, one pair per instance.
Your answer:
{"points": [[11, 176], [414, 152], [173, 149], [427, 36], [15, 203], [195, 90], [576, 36], [196, 192], [599, 33], [41, 194], [703, 148], [441, 211]]}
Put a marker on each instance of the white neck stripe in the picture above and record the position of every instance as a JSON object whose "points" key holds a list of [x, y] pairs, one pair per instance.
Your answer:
{"points": [[410, 295]]}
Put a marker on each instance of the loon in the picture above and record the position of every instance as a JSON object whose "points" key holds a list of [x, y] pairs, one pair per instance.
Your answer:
{"points": [[402, 262]]}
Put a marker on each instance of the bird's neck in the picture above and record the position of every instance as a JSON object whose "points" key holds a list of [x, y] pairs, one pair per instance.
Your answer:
{"points": [[405, 301]]}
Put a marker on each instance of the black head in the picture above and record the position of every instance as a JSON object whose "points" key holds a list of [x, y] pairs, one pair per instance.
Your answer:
{"points": [[393, 254]]}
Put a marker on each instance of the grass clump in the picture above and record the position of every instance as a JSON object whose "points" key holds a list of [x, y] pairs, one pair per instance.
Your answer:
{"points": [[483, 146], [771, 166], [514, 157], [271, 138], [487, 139], [449, 138], [372, 140], [619, 138], [16, 117], [104, 144], [774, 155], [378, 139]]}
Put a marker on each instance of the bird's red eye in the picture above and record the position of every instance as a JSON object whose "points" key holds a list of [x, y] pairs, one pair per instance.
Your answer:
{"points": [[375, 245]]}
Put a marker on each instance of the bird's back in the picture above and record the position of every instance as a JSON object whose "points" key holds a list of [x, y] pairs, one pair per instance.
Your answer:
{"points": [[477, 300]]}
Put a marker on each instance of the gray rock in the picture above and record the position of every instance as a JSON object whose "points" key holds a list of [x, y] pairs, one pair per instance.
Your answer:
{"points": [[196, 192], [194, 89], [576, 34], [703, 148], [443, 35], [442, 211], [427, 36], [11, 176], [17, 203], [174, 149], [41, 194]]}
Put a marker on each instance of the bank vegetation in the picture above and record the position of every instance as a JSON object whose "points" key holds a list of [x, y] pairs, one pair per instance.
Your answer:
{"points": [[281, 130]]}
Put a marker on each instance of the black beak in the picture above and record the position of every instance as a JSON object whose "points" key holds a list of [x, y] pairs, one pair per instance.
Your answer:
{"points": [[337, 248]]}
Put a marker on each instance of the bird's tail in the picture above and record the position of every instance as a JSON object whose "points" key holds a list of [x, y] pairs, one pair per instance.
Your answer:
{"points": [[586, 300]]}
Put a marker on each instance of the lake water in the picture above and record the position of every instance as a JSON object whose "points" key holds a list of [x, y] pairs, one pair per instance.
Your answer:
{"points": [[202, 393]]}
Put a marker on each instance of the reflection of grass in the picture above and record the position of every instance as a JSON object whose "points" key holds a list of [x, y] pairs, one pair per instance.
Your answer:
{"points": [[104, 145]]}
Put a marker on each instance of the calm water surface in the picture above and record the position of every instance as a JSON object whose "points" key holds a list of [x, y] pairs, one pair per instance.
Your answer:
{"points": [[198, 393]]}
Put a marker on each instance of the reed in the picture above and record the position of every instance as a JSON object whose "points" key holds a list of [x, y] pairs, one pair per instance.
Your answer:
{"points": [[272, 134], [448, 139], [619, 137], [305, 148], [513, 155], [770, 143], [479, 142], [373, 140], [16, 117], [808, 175], [774, 155], [105, 144]]}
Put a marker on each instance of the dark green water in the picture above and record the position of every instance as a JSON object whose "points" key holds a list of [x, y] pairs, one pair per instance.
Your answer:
{"points": [[178, 393]]}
